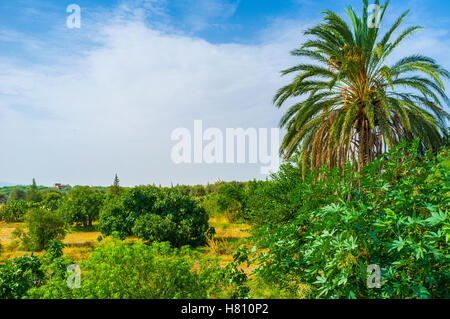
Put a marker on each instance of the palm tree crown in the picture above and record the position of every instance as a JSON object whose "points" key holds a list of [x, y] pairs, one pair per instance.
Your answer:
{"points": [[354, 106]]}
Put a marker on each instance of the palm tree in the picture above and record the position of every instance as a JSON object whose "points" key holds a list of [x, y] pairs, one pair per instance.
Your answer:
{"points": [[354, 106]]}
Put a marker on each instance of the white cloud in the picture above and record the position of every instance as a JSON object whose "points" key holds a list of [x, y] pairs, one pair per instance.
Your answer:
{"points": [[114, 107]]}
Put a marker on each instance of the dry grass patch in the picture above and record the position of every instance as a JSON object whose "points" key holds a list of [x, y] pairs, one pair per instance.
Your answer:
{"points": [[6, 231], [81, 238], [79, 245], [226, 230], [228, 237]]}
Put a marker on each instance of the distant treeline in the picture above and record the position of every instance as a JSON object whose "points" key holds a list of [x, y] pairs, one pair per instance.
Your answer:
{"points": [[19, 192]]}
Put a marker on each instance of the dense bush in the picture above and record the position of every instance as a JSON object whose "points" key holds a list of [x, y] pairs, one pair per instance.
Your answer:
{"points": [[209, 203], [42, 226], [326, 232], [120, 270], [155, 215], [19, 275], [231, 201], [14, 211], [24, 274]]}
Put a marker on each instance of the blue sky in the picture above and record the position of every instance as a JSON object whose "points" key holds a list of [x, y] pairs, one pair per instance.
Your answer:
{"points": [[79, 105], [218, 21]]}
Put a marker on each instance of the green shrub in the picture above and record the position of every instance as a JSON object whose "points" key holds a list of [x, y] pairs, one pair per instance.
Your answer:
{"points": [[395, 215], [231, 201], [15, 210], [18, 276], [25, 274], [120, 270], [43, 226], [209, 204]]}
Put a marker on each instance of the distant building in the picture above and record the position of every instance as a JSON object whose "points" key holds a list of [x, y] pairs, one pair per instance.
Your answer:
{"points": [[59, 186]]}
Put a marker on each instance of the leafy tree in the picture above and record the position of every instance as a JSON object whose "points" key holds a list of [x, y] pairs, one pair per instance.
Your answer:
{"points": [[33, 195], [356, 106], [174, 218], [17, 194], [3, 198], [43, 226], [155, 215], [115, 188], [120, 213], [51, 200], [82, 205]]}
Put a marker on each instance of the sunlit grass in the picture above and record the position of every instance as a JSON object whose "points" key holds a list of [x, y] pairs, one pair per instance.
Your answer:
{"points": [[80, 242], [228, 238]]}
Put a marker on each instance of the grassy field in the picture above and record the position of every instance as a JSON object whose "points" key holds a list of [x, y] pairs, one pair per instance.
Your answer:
{"points": [[79, 243]]}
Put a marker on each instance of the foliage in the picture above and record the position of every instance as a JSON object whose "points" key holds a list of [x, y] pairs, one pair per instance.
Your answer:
{"points": [[18, 276], [395, 215], [43, 226], [17, 194], [115, 188], [23, 275], [209, 203], [231, 201], [271, 203], [155, 215], [33, 195], [120, 270], [184, 190], [82, 205], [197, 191], [14, 211], [51, 200], [355, 105], [120, 213]]}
